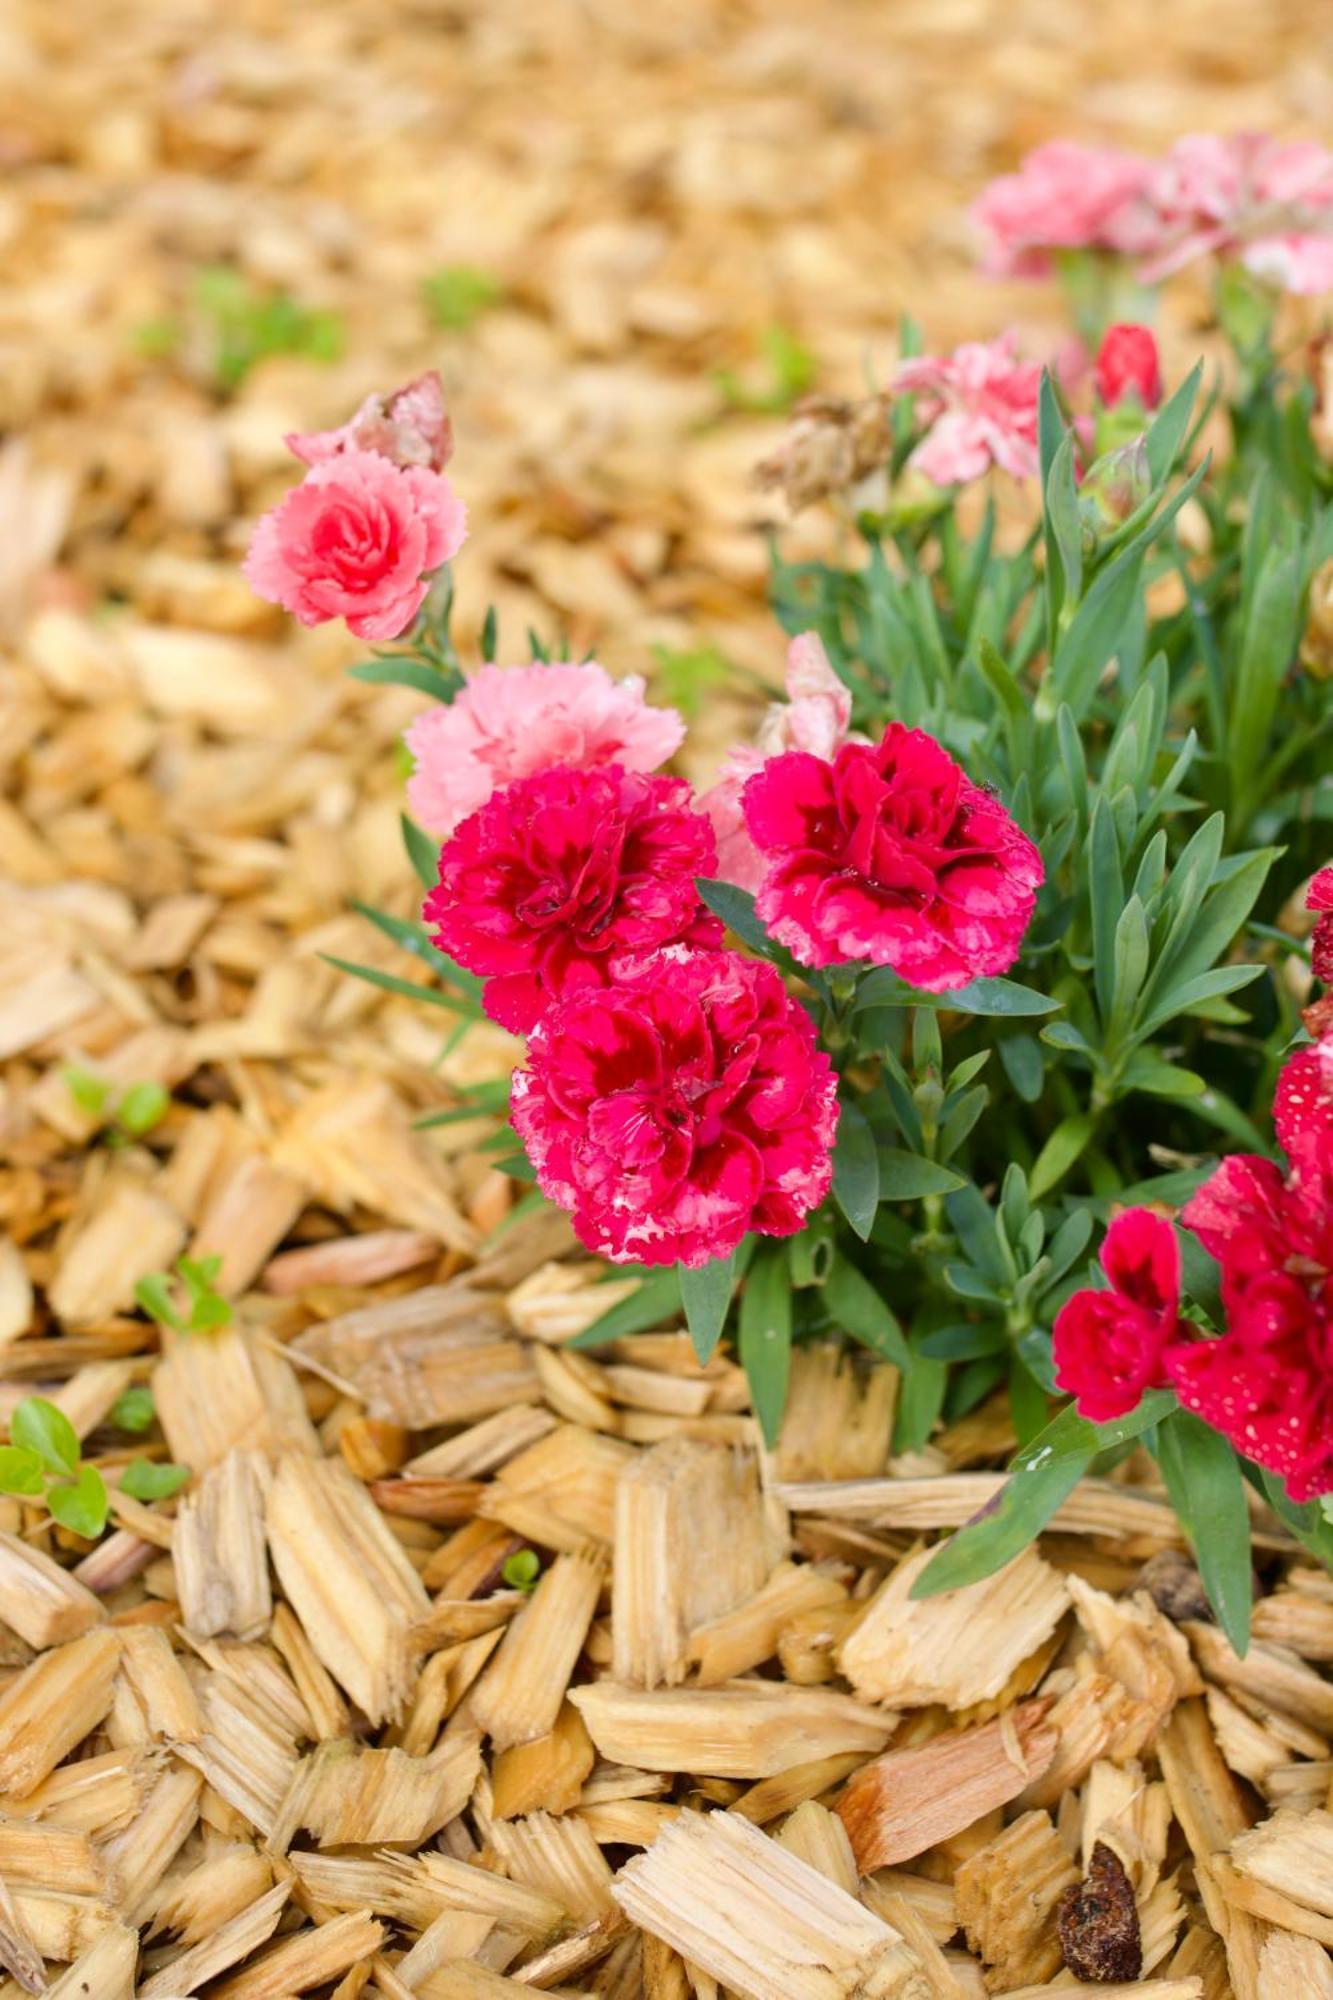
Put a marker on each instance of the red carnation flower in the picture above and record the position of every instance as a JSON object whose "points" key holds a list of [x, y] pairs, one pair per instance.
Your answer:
{"points": [[1303, 1105], [1267, 1382], [1320, 897], [1109, 1346], [678, 1108], [561, 876], [890, 853], [1128, 365]]}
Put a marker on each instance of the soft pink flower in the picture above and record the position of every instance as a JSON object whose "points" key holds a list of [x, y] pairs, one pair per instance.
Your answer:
{"points": [[890, 853], [980, 406], [357, 539], [1262, 200], [560, 877], [510, 722], [678, 1108], [1109, 1346], [1128, 364], [1320, 897], [411, 427], [814, 717], [1065, 196]]}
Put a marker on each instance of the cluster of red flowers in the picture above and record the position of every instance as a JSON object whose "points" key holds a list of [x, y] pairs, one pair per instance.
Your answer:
{"points": [[1266, 1382]]}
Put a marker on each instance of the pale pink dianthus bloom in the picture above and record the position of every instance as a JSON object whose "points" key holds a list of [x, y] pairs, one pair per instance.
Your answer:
{"points": [[814, 717], [980, 406], [511, 722], [411, 427], [1065, 196], [1266, 202], [358, 539]]}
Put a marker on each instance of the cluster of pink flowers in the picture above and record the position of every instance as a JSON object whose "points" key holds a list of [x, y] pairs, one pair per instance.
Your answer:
{"points": [[371, 522], [1248, 198], [1266, 1382]]}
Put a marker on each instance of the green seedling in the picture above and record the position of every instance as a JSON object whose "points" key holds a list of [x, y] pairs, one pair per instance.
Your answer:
{"points": [[196, 1306]]}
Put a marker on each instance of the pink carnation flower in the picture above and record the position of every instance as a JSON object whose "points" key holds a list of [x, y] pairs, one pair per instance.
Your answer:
{"points": [[1110, 1346], [560, 877], [980, 406], [1128, 364], [410, 427], [1264, 201], [1320, 897], [1065, 196], [358, 540], [510, 722], [678, 1108], [814, 718], [890, 853]]}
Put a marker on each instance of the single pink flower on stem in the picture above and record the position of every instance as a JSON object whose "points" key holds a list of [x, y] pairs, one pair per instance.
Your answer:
{"points": [[814, 718], [980, 408], [679, 1107], [1128, 364], [1109, 1347], [1319, 897], [511, 722], [1265, 202], [891, 854], [560, 877], [409, 427], [1065, 196], [358, 539]]}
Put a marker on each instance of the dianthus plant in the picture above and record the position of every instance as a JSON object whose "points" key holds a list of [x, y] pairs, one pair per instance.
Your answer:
{"points": [[974, 1013]]}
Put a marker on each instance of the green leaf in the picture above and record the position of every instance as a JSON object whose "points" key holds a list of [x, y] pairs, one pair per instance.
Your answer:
{"points": [[21, 1471], [907, 1176], [42, 1428], [401, 670], [706, 1295], [1062, 517], [736, 909], [422, 852], [656, 1301], [1025, 1504], [1068, 1435], [208, 1312], [764, 1338], [858, 1310], [153, 1295], [856, 1170], [998, 997], [407, 989], [1207, 1489], [143, 1106], [143, 1479], [89, 1091], [1067, 1142], [133, 1410], [459, 294], [80, 1505], [522, 1570], [1166, 432]]}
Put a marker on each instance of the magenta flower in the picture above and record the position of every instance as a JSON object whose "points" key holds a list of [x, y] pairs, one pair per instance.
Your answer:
{"points": [[814, 718], [410, 427], [358, 539], [980, 406], [1319, 897], [1128, 364], [891, 854], [1110, 1346], [560, 877], [511, 722], [1263, 201], [679, 1107], [1065, 196]]}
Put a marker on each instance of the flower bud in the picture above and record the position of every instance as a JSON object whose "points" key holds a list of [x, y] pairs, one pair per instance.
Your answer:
{"points": [[1128, 365], [1114, 485]]}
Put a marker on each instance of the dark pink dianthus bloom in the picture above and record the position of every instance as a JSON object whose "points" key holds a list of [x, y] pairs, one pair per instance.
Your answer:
{"points": [[1110, 1346], [1320, 898], [1128, 364], [678, 1108], [560, 876], [891, 854]]}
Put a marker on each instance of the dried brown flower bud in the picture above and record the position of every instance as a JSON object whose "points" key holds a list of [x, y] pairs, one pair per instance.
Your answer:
{"points": [[1098, 1921], [1175, 1586], [831, 445], [1317, 638]]}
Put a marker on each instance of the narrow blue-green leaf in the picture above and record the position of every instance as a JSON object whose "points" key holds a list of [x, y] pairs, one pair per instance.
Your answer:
{"points": [[907, 1176], [856, 1170], [998, 997], [736, 909], [706, 1296], [1207, 1489], [764, 1338], [1068, 1435], [1166, 432], [1062, 1150], [654, 1304], [1025, 1504], [422, 852], [407, 989], [400, 670], [858, 1310]]}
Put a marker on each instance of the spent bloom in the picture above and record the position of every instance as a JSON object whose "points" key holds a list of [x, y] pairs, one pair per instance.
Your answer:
{"points": [[979, 405], [511, 722], [560, 877], [1264, 201], [814, 718], [890, 853], [1110, 1346], [1065, 196], [410, 427], [1128, 365], [358, 539], [679, 1107]]}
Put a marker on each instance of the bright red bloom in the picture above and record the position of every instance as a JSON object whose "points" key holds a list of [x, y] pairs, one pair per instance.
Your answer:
{"points": [[1320, 897], [1303, 1104], [1128, 364], [1267, 1382], [890, 853], [678, 1108], [558, 877], [1109, 1346]]}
